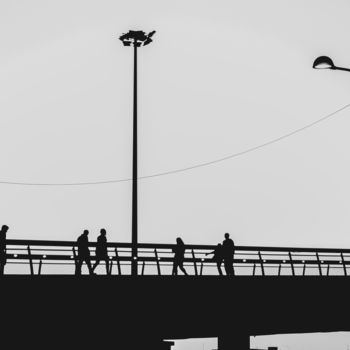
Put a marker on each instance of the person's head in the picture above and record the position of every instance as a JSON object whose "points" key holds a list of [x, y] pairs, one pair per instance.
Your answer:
{"points": [[86, 232], [219, 245], [227, 235], [103, 232], [179, 240], [3, 231]]}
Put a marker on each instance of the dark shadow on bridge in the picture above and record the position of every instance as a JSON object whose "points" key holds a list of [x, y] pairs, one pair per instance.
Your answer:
{"points": [[125, 312]]}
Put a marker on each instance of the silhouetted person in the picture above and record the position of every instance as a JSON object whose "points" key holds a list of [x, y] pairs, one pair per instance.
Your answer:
{"points": [[101, 250], [217, 257], [3, 232], [179, 256], [83, 252], [228, 249]]}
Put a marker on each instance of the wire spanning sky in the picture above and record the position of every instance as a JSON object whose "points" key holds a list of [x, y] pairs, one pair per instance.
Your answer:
{"points": [[189, 168]]}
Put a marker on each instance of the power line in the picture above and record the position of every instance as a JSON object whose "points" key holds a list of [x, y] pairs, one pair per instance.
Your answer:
{"points": [[200, 165]]}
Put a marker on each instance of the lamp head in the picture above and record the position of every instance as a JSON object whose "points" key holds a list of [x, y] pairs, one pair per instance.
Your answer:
{"points": [[323, 62], [136, 38]]}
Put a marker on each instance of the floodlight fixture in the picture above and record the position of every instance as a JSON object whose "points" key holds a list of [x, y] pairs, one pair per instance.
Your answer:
{"points": [[136, 38]]}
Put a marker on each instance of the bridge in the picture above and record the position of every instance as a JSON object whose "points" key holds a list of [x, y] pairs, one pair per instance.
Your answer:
{"points": [[274, 290]]}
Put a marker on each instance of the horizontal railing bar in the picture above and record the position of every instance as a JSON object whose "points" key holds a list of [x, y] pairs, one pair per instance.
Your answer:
{"points": [[165, 264], [266, 262], [170, 246]]}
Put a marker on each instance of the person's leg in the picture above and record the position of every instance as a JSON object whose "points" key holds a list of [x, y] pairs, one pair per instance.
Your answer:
{"points": [[78, 267], [218, 264], [83, 260], [96, 264], [232, 270], [226, 266], [88, 263], [174, 273], [230, 266], [3, 261], [182, 268], [107, 265]]}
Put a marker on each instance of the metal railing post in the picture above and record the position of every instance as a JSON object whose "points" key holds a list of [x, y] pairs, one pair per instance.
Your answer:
{"points": [[110, 267], [118, 262], [157, 261], [143, 268], [75, 260], [39, 269], [344, 264], [261, 264], [30, 261], [319, 264], [194, 263], [291, 263]]}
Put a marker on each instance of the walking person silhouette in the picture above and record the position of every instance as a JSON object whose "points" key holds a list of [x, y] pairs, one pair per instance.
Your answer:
{"points": [[228, 249], [217, 257], [101, 250], [3, 259], [83, 252], [179, 256]]}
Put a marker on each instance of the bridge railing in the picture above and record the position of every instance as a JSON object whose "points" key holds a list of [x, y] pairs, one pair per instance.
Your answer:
{"points": [[61, 257]]}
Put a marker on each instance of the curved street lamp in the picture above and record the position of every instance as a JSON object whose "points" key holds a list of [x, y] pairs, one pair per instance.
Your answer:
{"points": [[324, 62]]}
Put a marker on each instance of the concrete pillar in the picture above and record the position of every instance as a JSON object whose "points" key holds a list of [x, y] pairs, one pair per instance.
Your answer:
{"points": [[234, 341]]}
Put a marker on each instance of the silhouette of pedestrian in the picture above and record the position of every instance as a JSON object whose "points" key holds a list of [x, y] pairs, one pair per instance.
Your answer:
{"points": [[217, 257], [228, 249], [101, 250], [83, 252], [3, 259], [179, 256]]}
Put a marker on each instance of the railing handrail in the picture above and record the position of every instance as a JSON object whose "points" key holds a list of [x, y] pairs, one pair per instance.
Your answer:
{"points": [[31, 242]]}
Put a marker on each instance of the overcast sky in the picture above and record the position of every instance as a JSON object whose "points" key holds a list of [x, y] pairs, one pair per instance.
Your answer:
{"points": [[219, 78]]}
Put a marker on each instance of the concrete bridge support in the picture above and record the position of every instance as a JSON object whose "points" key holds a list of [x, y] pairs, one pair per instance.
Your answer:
{"points": [[232, 341]]}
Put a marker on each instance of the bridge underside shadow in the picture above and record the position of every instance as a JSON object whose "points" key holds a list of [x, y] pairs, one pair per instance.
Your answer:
{"points": [[125, 312]]}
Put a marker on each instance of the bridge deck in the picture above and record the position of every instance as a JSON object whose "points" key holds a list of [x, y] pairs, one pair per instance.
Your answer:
{"points": [[101, 310]]}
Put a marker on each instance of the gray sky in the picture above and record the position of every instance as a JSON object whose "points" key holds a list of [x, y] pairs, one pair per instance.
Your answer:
{"points": [[218, 79]]}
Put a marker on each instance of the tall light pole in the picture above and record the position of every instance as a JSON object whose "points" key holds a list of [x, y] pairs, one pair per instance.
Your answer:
{"points": [[324, 62], [136, 39]]}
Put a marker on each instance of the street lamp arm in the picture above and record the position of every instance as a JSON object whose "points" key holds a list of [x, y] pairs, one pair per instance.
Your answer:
{"points": [[341, 68]]}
